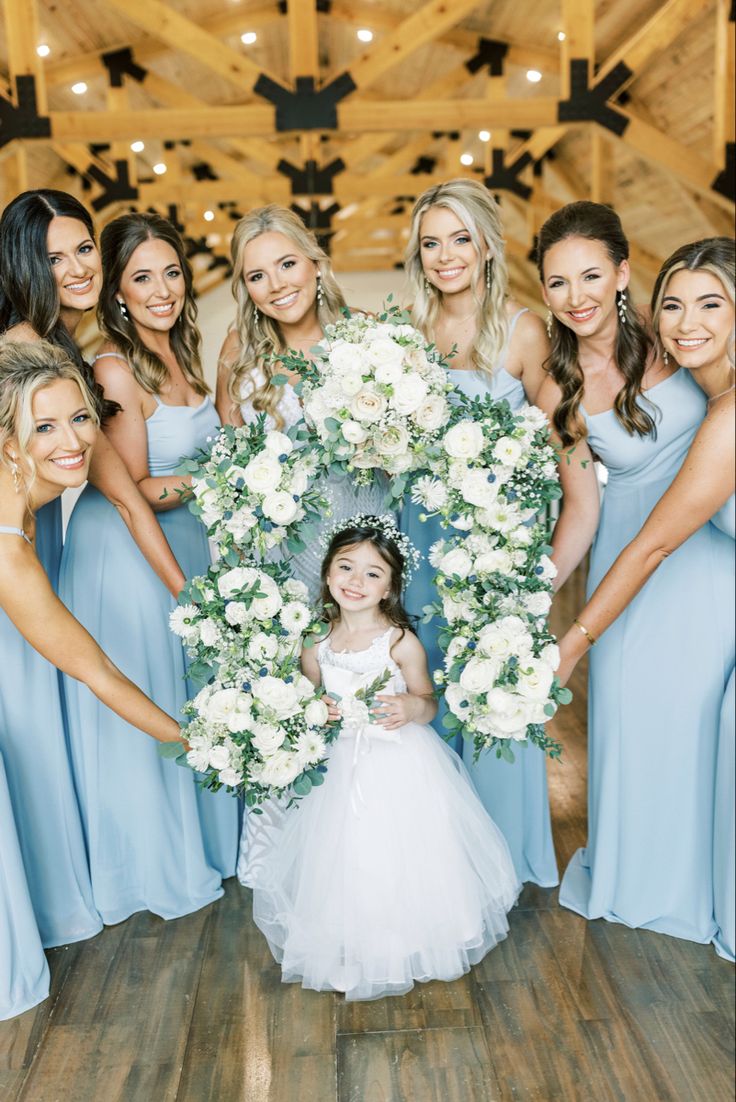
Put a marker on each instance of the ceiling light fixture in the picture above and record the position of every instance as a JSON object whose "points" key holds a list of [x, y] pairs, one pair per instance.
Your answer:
{"points": [[79, 88], [365, 35], [43, 50], [137, 147], [248, 38], [533, 76], [484, 135], [209, 216], [160, 168], [466, 158]]}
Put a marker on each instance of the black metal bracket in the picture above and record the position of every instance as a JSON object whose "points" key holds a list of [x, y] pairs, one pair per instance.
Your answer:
{"points": [[589, 103], [506, 177], [318, 220], [120, 63], [423, 166], [311, 180], [491, 54], [725, 181], [115, 189], [306, 108], [21, 119]]}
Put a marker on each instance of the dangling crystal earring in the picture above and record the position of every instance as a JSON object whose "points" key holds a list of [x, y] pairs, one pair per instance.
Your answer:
{"points": [[15, 471], [427, 285], [256, 317], [320, 292], [548, 323], [488, 274], [623, 306], [123, 308], [665, 358]]}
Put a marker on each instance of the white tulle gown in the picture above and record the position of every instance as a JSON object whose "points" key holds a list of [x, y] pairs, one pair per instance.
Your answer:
{"points": [[390, 872]]}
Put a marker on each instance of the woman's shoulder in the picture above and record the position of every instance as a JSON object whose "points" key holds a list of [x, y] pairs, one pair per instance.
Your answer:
{"points": [[113, 372], [230, 351]]}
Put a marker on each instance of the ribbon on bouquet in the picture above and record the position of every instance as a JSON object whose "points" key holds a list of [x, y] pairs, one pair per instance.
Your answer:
{"points": [[357, 723]]}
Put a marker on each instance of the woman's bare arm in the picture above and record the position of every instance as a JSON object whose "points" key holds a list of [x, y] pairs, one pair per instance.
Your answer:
{"points": [[38, 614], [228, 411], [528, 350]]}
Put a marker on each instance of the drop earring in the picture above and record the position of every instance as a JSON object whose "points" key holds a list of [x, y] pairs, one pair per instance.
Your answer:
{"points": [[548, 323], [427, 285], [320, 292], [15, 471], [488, 274], [665, 358], [623, 306], [122, 308], [256, 317]]}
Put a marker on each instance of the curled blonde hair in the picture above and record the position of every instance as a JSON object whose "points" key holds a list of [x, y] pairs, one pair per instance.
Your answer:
{"points": [[25, 368], [716, 255], [259, 344], [476, 208]]}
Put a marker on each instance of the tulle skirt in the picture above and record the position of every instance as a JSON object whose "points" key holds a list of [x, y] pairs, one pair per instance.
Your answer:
{"points": [[389, 873]]}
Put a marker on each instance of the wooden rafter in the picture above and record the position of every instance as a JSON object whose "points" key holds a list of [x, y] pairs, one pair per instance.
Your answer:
{"points": [[303, 51], [724, 90], [654, 36]]}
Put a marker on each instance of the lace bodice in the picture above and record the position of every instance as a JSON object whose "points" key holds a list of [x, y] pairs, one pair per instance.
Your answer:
{"points": [[362, 666]]}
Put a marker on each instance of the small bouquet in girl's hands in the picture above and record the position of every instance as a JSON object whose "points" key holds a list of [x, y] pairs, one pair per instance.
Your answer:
{"points": [[374, 392], [258, 726], [253, 486]]}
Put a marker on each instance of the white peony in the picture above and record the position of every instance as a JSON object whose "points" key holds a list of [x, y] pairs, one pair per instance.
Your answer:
{"points": [[267, 738], [218, 757], [280, 769], [262, 474], [296, 589], [280, 507], [551, 655], [479, 676], [537, 604], [277, 695], [278, 443], [236, 613], [496, 561], [316, 713], [268, 605], [464, 440], [235, 580], [457, 561], [477, 488], [388, 374], [457, 700], [409, 393], [382, 351], [535, 679], [230, 777]]}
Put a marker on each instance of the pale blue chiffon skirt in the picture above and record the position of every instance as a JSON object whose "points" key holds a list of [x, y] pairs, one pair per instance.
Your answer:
{"points": [[24, 973], [724, 832], [156, 840]]}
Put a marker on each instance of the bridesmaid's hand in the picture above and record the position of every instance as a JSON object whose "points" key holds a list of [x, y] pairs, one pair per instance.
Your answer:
{"points": [[333, 709], [571, 652], [393, 711]]}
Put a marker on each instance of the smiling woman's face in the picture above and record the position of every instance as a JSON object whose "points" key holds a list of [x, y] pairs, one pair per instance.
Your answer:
{"points": [[280, 279], [580, 284], [63, 435], [75, 262], [696, 322]]}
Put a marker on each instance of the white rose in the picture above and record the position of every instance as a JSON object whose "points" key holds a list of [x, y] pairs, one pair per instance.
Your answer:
{"points": [[354, 433], [219, 757], [456, 647], [497, 561], [351, 383], [221, 704], [548, 568], [241, 522], [232, 581], [457, 561], [316, 713], [535, 679], [457, 700], [477, 488], [368, 407], [209, 632], [296, 589], [278, 443], [432, 413], [277, 695], [397, 464], [392, 441], [262, 474], [507, 450], [303, 687], [464, 440], [280, 507], [384, 351], [388, 374], [236, 613], [262, 647], [551, 655], [344, 356], [409, 392], [231, 777], [268, 605], [537, 604], [479, 675], [415, 358], [267, 738], [509, 714], [505, 637], [281, 769]]}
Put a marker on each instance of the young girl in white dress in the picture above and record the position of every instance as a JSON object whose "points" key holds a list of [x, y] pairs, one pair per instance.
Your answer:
{"points": [[392, 871]]}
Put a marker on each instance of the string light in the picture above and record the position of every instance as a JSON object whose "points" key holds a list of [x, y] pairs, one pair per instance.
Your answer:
{"points": [[466, 158], [365, 35], [533, 76], [137, 147], [209, 216], [160, 168], [43, 50], [79, 88], [484, 135], [248, 38]]}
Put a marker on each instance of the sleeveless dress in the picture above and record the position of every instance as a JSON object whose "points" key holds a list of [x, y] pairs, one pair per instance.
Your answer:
{"points": [[24, 973], [156, 840], [514, 795], [41, 789], [391, 871], [657, 680], [724, 822]]}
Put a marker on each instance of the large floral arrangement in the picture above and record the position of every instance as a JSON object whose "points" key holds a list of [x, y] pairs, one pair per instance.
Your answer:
{"points": [[375, 396]]}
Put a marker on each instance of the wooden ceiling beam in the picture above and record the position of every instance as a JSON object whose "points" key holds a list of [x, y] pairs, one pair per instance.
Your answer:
{"points": [[653, 37], [21, 33], [303, 39], [724, 94], [578, 21], [459, 114]]}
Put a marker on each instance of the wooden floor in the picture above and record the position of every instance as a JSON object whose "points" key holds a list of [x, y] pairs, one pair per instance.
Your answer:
{"points": [[194, 1010]]}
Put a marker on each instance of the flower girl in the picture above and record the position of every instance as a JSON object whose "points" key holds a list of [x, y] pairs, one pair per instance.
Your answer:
{"points": [[392, 871]]}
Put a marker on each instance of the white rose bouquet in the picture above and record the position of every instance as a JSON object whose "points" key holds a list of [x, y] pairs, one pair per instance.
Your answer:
{"points": [[258, 726], [491, 477], [375, 395]]}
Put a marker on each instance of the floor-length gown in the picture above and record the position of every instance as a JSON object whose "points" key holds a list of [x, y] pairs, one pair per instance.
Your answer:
{"points": [[156, 840], [391, 871], [39, 780], [514, 795], [24, 973], [724, 819], [657, 679]]}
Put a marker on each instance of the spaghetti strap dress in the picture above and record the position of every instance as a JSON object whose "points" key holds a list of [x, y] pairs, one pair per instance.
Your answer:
{"points": [[515, 796], [657, 682], [156, 840]]}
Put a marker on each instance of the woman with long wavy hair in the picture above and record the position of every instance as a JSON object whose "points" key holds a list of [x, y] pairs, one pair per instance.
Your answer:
{"points": [[657, 676], [459, 288], [156, 840]]}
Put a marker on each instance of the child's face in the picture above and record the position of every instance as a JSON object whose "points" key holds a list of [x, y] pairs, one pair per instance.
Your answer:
{"points": [[358, 577]]}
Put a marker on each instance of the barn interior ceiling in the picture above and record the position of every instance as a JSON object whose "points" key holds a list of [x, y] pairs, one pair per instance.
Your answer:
{"points": [[348, 109]]}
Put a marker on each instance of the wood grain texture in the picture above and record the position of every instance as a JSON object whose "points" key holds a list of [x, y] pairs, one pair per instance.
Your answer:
{"points": [[563, 1010]]}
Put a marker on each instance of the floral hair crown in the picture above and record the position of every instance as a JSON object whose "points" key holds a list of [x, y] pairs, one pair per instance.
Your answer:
{"points": [[386, 524]]}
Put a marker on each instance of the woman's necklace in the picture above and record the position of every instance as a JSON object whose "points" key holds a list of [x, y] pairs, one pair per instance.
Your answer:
{"points": [[726, 391]]}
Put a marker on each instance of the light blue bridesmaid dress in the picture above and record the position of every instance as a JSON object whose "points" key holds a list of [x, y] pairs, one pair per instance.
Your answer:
{"points": [[724, 820], [657, 679], [24, 973], [515, 796], [39, 780], [156, 840]]}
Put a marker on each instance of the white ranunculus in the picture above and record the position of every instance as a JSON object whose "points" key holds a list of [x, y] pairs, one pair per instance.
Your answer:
{"points": [[432, 413], [429, 492], [277, 695], [262, 647], [353, 432], [278, 443], [221, 704], [537, 604], [549, 570], [496, 561], [477, 488], [509, 714], [505, 637], [281, 769], [236, 613], [457, 561], [507, 450], [295, 617], [316, 713], [280, 507], [456, 647], [263, 473], [551, 655], [457, 700], [479, 675], [388, 374], [351, 383], [535, 679], [230, 777], [397, 464], [219, 757], [384, 351], [368, 407], [269, 604], [534, 418], [267, 738], [409, 392], [344, 356], [416, 359], [392, 441], [232, 581], [295, 589], [464, 440]]}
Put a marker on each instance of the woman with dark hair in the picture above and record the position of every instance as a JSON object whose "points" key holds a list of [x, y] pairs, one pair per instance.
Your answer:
{"points": [[657, 676], [50, 276], [156, 840]]}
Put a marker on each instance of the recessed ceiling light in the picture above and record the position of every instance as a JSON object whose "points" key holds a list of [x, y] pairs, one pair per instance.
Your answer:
{"points": [[248, 38], [561, 36], [533, 76], [484, 135], [137, 147], [466, 158], [365, 35], [209, 216], [43, 50], [160, 168], [79, 88]]}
